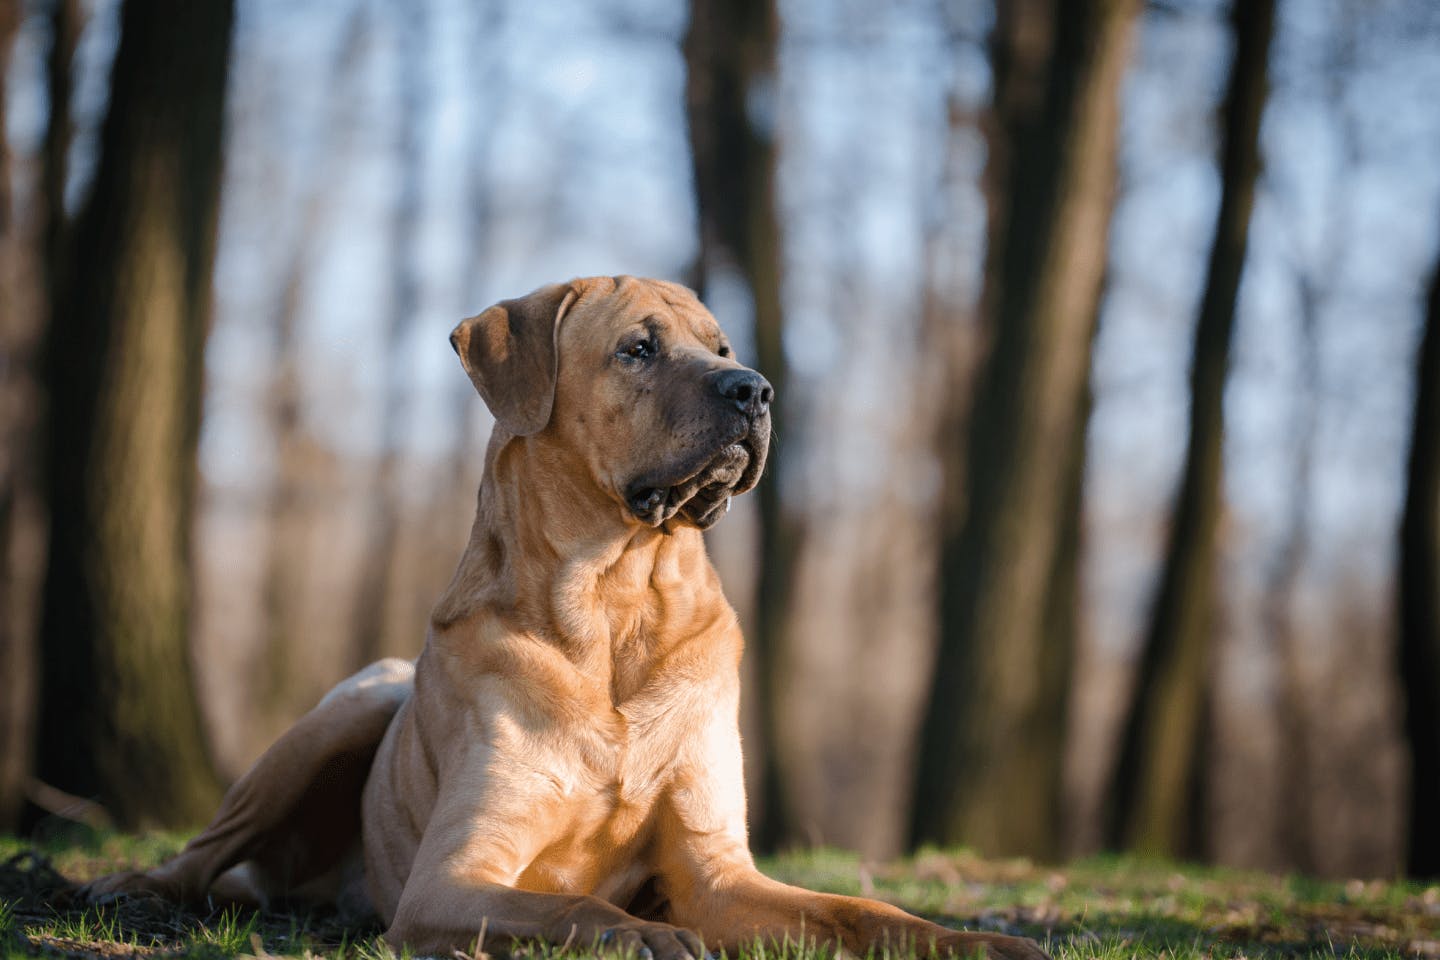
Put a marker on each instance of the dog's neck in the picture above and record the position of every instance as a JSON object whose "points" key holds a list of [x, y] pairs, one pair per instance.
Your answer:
{"points": [[553, 556]]}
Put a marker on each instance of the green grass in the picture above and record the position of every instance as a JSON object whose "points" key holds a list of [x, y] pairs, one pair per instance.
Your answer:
{"points": [[1097, 909]]}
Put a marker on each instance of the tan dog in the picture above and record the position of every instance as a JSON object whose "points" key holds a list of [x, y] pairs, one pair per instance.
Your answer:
{"points": [[563, 760]]}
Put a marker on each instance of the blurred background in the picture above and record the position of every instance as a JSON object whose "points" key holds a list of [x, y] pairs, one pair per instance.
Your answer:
{"points": [[1104, 511]]}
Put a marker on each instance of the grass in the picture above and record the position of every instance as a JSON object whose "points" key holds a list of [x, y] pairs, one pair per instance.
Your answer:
{"points": [[1096, 909]]}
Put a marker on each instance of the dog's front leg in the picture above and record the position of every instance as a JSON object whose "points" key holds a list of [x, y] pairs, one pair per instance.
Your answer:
{"points": [[713, 887], [460, 894], [433, 921], [735, 906]]}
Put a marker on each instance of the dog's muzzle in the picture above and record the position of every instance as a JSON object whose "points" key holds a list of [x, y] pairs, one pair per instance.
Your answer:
{"points": [[699, 488]]}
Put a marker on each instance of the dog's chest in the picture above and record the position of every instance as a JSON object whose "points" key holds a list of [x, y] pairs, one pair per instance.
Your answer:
{"points": [[603, 840]]}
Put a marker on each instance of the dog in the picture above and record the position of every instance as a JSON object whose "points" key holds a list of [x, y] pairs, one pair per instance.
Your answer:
{"points": [[562, 762]]}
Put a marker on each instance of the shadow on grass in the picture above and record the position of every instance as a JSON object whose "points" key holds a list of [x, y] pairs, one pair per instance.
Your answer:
{"points": [[42, 914]]}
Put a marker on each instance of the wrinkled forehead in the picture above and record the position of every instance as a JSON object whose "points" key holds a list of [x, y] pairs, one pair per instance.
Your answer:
{"points": [[609, 306]]}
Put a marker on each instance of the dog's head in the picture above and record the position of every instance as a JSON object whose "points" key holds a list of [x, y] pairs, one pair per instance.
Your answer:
{"points": [[636, 378]]}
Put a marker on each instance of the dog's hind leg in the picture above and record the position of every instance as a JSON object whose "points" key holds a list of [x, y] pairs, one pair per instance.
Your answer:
{"points": [[296, 813]]}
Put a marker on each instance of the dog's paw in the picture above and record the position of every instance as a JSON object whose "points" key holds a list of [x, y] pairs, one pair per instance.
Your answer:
{"points": [[995, 946], [128, 884], [652, 941]]}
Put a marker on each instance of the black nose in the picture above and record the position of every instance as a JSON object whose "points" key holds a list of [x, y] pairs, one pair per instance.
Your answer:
{"points": [[750, 392]]}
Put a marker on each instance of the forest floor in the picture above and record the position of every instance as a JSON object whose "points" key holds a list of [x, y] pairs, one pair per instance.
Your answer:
{"points": [[1097, 909]]}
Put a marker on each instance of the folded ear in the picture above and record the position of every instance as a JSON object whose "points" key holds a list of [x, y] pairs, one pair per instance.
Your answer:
{"points": [[509, 351]]}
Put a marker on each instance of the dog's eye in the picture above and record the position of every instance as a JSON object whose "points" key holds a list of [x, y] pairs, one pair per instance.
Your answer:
{"points": [[638, 350], [724, 350]]}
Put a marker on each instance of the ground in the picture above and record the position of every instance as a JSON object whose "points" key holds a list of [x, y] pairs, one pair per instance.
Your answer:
{"points": [[1099, 909]]}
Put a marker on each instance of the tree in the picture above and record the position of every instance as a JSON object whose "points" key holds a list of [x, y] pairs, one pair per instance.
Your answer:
{"points": [[1154, 798], [285, 688], [1282, 584], [730, 52], [122, 370], [491, 85], [1317, 260], [1419, 641], [373, 594], [28, 254], [16, 644], [992, 740]]}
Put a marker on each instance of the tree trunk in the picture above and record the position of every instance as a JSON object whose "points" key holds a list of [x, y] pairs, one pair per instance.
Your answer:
{"points": [[1419, 642], [123, 373], [9, 27], [279, 684], [1155, 797], [730, 50], [490, 85], [28, 253], [285, 688], [992, 741], [17, 647], [1293, 767], [1316, 273], [372, 598]]}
